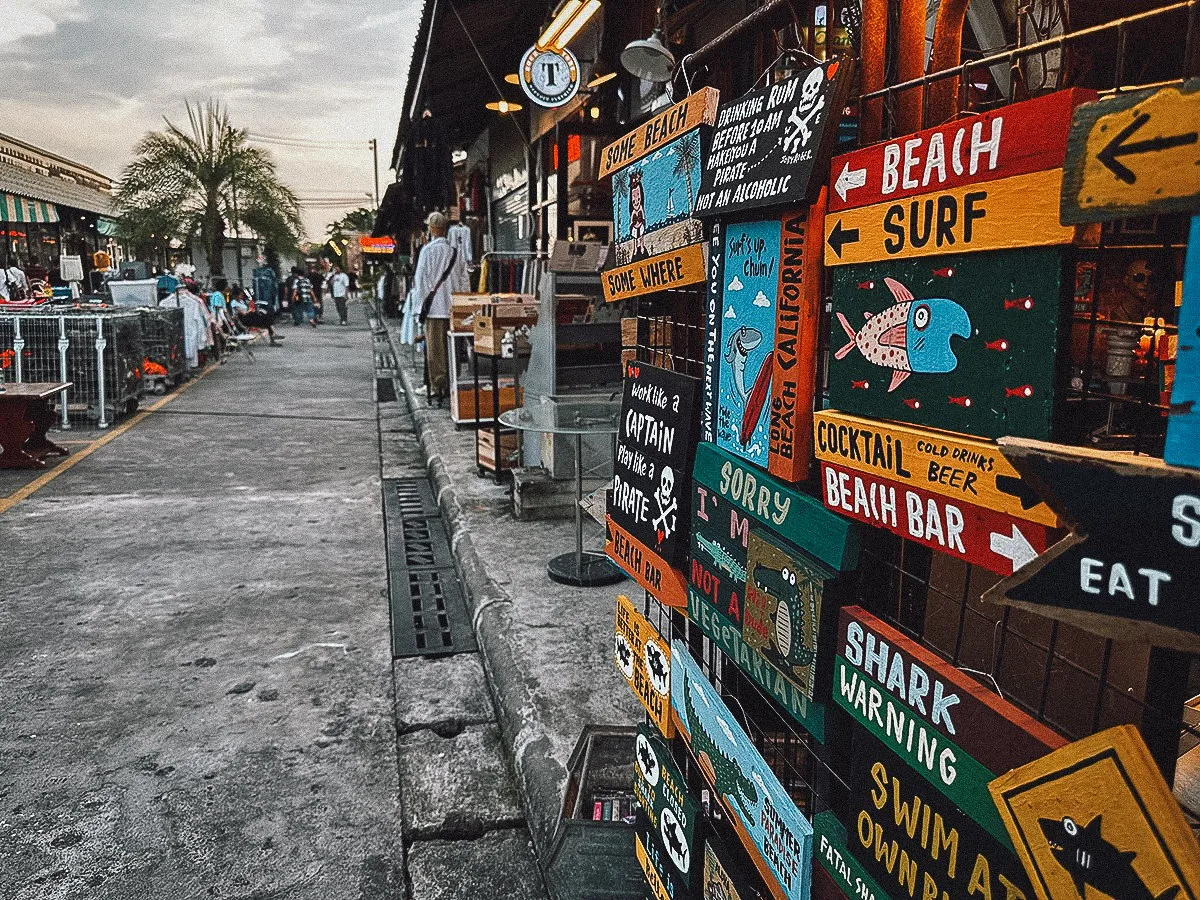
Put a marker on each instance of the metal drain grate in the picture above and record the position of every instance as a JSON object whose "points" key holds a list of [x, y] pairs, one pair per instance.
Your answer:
{"points": [[429, 611], [385, 390]]}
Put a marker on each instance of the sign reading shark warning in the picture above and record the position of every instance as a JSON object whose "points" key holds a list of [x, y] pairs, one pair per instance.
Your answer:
{"points": [[645, 660], [966, 342], [1096, 819]]}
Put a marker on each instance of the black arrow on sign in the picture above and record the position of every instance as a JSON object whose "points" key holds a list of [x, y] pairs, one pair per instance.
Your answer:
{"points": [[1117, 147], [840, 237]]}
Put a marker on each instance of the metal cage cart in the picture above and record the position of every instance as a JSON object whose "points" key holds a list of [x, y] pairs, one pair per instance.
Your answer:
{"points": [[164, 364], [99, 351]]}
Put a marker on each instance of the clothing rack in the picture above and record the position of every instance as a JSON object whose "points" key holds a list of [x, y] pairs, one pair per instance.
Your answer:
{"points": [[510, 271]]}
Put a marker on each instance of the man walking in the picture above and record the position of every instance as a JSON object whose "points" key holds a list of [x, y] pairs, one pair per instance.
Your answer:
{"points": [[431, 288], [339, 289], [302, 298]]}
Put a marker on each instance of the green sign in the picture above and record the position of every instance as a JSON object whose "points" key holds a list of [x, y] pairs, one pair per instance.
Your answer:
{"points": [[829, 848], [672, 811]]}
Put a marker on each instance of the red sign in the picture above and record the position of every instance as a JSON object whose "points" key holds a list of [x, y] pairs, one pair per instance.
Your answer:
{"points": [[377, 244], [1015, 140], [980, 536]]}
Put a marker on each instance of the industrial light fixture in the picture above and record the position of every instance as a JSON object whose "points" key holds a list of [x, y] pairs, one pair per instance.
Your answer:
{"points": [[504, 106], [649, 59], [573, 15], [601, 79]]}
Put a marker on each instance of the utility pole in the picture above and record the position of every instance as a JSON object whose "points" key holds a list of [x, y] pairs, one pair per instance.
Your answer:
{"points": [[375, 168]]}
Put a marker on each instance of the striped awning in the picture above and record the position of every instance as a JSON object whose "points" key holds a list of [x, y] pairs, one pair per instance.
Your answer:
{"points": [[22, 209]]}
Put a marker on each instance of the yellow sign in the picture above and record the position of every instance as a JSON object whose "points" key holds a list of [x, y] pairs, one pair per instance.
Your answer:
{"points": [[1095, 819], [1134, 154], [673, 269], [952, 465], [1020, 211], [698, 109], [644, 658], [653, 880]]}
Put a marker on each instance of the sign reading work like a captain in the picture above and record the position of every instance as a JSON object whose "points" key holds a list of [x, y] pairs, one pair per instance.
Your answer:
{"points": [[768, 144], [966, 342]]}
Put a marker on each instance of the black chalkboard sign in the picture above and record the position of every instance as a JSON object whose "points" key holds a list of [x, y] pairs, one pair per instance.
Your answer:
{"points": [[768, 144], [650, 499]]}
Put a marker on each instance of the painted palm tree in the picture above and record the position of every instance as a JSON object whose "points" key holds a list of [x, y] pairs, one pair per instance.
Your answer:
{"points": [[687, 160], [620, 186], [205, 179]]}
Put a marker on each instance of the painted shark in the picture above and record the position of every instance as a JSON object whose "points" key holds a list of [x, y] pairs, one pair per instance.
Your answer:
{"points": [[1093, 862]]}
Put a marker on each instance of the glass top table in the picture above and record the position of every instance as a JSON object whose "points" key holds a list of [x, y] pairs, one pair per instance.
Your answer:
{"points": [[587, 414]]}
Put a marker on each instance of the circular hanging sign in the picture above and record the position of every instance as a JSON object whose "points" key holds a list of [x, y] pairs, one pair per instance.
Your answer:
{"points": [[550, 77]]}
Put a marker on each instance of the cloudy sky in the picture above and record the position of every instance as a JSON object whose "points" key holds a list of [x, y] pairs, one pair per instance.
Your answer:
{"points": [[86, 78]]}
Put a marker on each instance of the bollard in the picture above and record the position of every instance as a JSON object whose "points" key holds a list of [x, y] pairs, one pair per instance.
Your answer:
{"points": [[18, 350], [101, 343], [63, 345]]}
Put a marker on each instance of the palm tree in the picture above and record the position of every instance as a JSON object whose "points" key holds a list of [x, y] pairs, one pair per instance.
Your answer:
{"points": [[687, 154], [206, 179], [361, 221], [620, 186]]}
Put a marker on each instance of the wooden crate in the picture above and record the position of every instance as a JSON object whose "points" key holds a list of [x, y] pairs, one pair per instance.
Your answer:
{"points": [[485, 449], [463, 306], [509, 399], [494, 319], [629, 331]]}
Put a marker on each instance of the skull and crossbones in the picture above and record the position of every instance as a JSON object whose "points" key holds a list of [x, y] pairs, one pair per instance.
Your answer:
{"points": [[667, 504], [811, 103]]}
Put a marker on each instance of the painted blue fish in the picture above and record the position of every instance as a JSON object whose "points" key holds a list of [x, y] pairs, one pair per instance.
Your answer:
{"points": [[911, 336]]}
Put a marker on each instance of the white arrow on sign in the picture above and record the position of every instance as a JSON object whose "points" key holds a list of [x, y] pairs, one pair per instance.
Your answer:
{"points": [[849, 179], [1015, 548]]}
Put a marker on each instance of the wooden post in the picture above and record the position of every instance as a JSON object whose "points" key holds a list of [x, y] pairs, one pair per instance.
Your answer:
{"points": [[873, 43], [1166, 683], [947, 54], [910, 43]]}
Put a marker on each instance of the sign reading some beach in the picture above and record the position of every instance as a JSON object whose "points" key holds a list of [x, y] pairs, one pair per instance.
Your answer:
{"points": [[697, 109], [967, 342]]}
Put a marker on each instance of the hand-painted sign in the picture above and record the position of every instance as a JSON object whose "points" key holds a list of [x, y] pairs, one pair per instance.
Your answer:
{"points": [[656, 243], [643, 657], [712, 330], [971, 533], [649, 501], [1014, 140], [1132, 583], [674, 269], [656, 191], [1183, 425], [672, 812], [768, 144], [1096, 819], [722, 879], [1021, 211], [691, 112], [660, 876], [966, 342], [772, 829], [955, 466], [944, 725], [829, 849], [914, 841], [1134, 154]]}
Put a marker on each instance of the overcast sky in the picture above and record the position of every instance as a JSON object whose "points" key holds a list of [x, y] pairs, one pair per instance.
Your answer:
{"points": [[86, 78]]}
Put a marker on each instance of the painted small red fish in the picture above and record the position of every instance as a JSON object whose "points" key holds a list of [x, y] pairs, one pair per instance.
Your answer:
{"points": [[999, 344], [866, 285], [912, 403], [860, 385], [1020, 303], [1025, 390], [964, 402], [943, 273]]}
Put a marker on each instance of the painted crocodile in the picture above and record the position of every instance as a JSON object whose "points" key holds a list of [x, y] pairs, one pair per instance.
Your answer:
{"points": [[722, 559]]}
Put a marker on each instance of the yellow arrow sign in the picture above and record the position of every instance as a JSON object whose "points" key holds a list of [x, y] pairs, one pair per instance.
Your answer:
{"points": [[1134, 154], [1021, 211]]}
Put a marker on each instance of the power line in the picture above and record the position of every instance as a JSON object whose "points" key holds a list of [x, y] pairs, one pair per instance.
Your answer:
{"points": [[310, 143]]}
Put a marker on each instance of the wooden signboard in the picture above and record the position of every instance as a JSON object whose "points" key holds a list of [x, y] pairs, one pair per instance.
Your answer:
{"points": [[770, 827], [1096, 819], [770, 143], [657, 191], [672, 813], [1183, 426], [959, 467], [674, 269], [1130, 569], [691, 112], [644, 658], [943, 724], [1015, 140], [915, 842], [660, 876], [649, 504], [656, 243], [712, 331], [1021, 211], [723, 880], [973, 534], [832, 854], [1134, 154], [965, 342]]}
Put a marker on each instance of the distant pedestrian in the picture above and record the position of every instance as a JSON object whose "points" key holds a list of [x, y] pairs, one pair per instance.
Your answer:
{"points": [[317, 282], [431, 287], [353, 276], [302, 298], [339, 289]]}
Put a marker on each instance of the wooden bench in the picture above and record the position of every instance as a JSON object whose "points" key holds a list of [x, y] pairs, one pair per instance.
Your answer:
{"points": [[25, 417]]}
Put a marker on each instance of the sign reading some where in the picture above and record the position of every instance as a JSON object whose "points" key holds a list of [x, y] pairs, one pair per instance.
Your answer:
{"points": [[1183, 426], [1021, 211], [952, 465], [649, 500], [768, 143], [672, 812], [944, 725], [1096, 819], [1134, 154], [915, 841], [772, 829], [1131, 583], [691, 112], [965, 342], [656, 191], [1014, 140], [971, 533], [643, 657], [674, 269]]}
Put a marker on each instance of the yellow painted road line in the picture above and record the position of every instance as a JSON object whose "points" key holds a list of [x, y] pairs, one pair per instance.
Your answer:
{"points": [[45, 478]]}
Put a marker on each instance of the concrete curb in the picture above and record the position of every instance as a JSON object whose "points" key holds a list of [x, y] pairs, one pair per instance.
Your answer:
{"points": [[540, 778]]}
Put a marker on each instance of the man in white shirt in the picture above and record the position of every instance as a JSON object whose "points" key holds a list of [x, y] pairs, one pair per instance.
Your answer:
{"points": [[431, 289], [339, 289]]}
